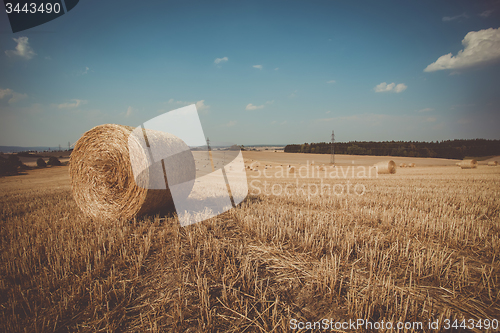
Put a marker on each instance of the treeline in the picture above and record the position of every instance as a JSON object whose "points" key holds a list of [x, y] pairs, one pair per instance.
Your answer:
{"points": [[456, 149], [10, 164]]}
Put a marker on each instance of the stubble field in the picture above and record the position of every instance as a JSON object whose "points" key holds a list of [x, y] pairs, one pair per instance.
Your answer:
{"points": [[417, 246]]}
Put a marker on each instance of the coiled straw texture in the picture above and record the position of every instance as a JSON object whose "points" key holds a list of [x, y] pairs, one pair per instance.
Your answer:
{"points": [[102, 178]]}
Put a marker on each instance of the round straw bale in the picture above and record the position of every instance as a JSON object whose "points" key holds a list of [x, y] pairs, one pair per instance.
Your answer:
{"points": [[468, 164], [402, 165], [493, 163], [102, 177], [386, 167], [411, 165]]}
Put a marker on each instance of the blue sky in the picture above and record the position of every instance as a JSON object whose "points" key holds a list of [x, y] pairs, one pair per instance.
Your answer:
{"points": [[260, 72]]}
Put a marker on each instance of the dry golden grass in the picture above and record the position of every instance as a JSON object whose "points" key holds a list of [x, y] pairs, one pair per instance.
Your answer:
{"points": [[421, 244]]}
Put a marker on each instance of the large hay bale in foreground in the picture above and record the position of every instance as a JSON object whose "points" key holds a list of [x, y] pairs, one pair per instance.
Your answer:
{"points": [[102, 177], [493, 163], [468, 164], [385, 167]]}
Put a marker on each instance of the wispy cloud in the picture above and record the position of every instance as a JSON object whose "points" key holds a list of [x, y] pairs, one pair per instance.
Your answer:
{"points": [[250, 106], [372, 119], [129, 112], [76, 103], [480, 47], [200, 105], [430, 119], [293, 95], [486, 13], [276, 68], [14, 96], [331, 81], [23, 49], [426, 110], [219, 61], [453, 18], [231, 123], [391, 87], [257, 66], [270, 102]]}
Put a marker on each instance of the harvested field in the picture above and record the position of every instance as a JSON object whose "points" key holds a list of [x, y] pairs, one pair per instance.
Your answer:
{"points": [[422, 244]]}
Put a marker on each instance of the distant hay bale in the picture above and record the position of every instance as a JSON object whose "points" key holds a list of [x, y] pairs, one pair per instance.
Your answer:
{"points": [[402, 165], [291, 170], [54, 161], [40, 163], [321, 169], [102, 177], [493, 163], [468, 164], [411, 165], [386, 167]]}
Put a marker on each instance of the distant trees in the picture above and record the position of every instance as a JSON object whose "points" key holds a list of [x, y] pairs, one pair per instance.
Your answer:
{"points": [[457, 149], [10, 165]]}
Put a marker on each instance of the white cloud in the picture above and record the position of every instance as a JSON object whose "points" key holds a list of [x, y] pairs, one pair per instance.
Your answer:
{"points": [[200, 105], [400, 87], [270, 102], [76, 103], [276, 68], [254, 107], [426, 110], [370, 118], [23, 49], [431, 119], [217, 61], [453, 18], [480, 47], [384, 87], [14, 96], [86, 71], [231, 123], [257, 66], [293, 95], [331, 81], [486, 13], [129, 112], [392, 87]]}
